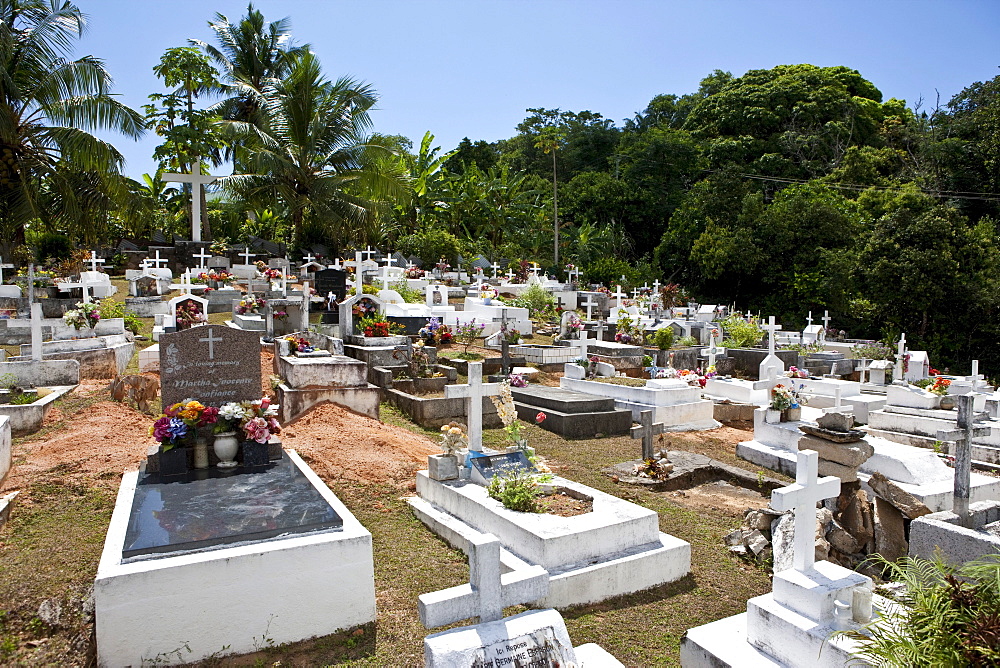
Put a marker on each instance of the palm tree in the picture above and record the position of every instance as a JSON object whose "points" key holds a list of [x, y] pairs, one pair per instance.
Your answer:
{"points": [[47, 106], [309, 148]]}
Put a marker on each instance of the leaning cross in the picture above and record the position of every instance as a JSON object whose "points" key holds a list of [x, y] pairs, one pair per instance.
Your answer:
{"points": [[967, 430], [646, 430], [801, 498], [211, 339], [197, 180], [488, 591], [202, 256], [473, 393]]}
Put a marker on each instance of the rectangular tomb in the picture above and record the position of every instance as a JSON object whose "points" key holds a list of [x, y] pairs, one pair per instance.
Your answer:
{"points": [[212, 563]]}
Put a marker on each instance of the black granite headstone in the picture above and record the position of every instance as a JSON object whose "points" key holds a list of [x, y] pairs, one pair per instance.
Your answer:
{"points": [[488, 466], [327, 281], [209, 508]]}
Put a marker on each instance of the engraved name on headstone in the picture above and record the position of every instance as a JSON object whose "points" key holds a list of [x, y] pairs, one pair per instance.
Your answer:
{"points": [[213, 364], [540, 649], [487, 466]]}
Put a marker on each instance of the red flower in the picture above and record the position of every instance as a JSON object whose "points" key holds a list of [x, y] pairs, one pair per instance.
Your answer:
{"points": [[540, 417]]}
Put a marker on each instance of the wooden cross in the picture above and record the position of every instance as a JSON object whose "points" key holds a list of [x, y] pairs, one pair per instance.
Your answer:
{"points": [[488, 591], [202, 256], [473, 393], [197, 180], [646, 430], [211, 339], [801, 498], [962, 436]]}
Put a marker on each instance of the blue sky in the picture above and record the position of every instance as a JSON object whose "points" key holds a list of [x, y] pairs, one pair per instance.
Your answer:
{"points": [[471, 68]]}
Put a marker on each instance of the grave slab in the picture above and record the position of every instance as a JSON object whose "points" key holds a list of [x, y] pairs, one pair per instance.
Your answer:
{"points": [[571, 414]]}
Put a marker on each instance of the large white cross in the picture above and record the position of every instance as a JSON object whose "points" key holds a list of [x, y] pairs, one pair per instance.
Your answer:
{"points": [[975, 377], [496, 268], [197, 180], [809, 320], [897, 370], [385, 274], [84, 288], [158, 261], [619, 295], [801, 498], [246, 255], [202, 256], [583, 344], [308, 257], [771, 330], [94, 261], [488, 591], [211, 342], [473, 393], [590, 304], [826, 325]]}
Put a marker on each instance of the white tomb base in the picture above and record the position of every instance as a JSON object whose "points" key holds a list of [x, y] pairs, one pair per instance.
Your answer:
{"points": [[184, 607]]}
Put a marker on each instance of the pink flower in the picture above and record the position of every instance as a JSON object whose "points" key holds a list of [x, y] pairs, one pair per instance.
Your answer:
{"points": [[540, 417], [264, 403], [161, 429], [256, 430]]}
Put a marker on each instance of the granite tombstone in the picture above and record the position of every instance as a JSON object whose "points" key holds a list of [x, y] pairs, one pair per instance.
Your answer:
{"points": [[485, 467], [213, 364], [331, 281]]}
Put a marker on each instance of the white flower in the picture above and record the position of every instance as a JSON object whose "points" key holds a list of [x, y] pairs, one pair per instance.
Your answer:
{"points": [[232, 411]]}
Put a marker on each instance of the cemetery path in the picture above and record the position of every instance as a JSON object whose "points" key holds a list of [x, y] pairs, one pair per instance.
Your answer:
{"points": [[343, 445]]}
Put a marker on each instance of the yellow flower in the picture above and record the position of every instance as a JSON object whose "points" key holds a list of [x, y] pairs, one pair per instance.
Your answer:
{"points": [[195, 405], [455, 430], [445, 427]]}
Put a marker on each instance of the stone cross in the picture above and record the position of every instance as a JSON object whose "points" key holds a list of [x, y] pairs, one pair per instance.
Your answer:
{"points": [[510, 275], [975, 376], [211, 339], [385, 274], [619, 295], [863, 369], [473, 393], [713, 351], [646, 430], [31, 283], [769, 367], [186, 282], [809, 319], [589, 304], [304, 309], [202, 256], [246, 255], [369, 251], [308, 257], [601, 327], [36, 332], [268, 322], [635, 293], [826, 325], [157, 261], [84, 288], [967, 430], [4, 265], [801, 498], [583, 344], [487, 593], [504, 344], [197, 180], [897, 369]]}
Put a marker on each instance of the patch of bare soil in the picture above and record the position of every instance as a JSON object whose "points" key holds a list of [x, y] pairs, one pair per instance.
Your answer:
{"points": [[563, 505], [342, 445], [720, 496]]}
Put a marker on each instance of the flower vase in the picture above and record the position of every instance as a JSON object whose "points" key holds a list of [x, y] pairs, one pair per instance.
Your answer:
{"points": [[487, 301], [947, 402], [275, 286], [201, 452], [173, 461], [791, 414], [772, 416], [226, 446]]}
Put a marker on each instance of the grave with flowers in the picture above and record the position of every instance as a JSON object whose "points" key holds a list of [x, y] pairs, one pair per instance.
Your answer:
{"points": [[187, 536], [612, 548]]}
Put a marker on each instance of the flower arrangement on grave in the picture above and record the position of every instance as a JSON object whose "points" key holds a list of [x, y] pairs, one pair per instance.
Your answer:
{"points": [[781, 397], [518, 380], [541, 417], [250, 304], [442, 265], [454, 439], [181, 420], [214, 276], [940, 386], [510, 335], [188, 314], [364, 308], [299, 345], [488, 293], [86, 314], [573, 326], [468, 332], [435, 332], [589, 365], [628, 333], [653, 469], [414, 272], [257, 419], [280, 315], [507, 413], [795, 372], [377, 324]]}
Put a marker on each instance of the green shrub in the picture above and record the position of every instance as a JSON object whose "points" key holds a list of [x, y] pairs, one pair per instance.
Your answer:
{"points": [[114, 309], [664, 338], [609, 271], [53, 245], [409, 295], [430, 245], [517, 490], [537, 300], [741, 333], [687, 341], [24, 398]]}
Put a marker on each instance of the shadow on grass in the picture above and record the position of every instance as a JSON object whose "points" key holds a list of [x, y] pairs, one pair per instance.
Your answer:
{"points": [[685, 585]]}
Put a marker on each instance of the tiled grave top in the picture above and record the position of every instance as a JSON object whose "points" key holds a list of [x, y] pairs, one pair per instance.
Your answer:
{"points": [[209, 508]]}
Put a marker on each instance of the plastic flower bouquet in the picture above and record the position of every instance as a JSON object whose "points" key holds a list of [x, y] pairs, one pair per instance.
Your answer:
{"points": [[86, 314], [250, 304], [181, 420]]}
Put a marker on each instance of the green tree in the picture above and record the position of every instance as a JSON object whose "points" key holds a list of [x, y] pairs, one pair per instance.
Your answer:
{"points": [[48, 105]]}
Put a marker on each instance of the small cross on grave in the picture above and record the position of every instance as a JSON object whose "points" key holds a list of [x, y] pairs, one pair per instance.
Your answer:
{"points": [[801, 498], [308, 257], [336, 263], [474, 393], [583, 344], [158, 261], [488, 591], [974, 377], [897, 369], [385, 274], [656, 287], [601, 327], [863, 369], [94, 261], [646, 430], [211, 339], [635, 293], [809, 319], [84, 288], [826, 325], [202, 257], [510, 275], [304, 308], [772, 365], [369, 251], [619, 296], [589, 304], [4, 265], [962, 436], [496, 268], [246, 255], [197, 180]]}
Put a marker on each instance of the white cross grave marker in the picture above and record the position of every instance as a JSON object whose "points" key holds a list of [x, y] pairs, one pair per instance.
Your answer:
{"points": [[157, 261], [246, 255], [308, 257], [826, 325], [473, 393], [897, 369], [94, 261], [801, 498], [600, 329], [496, 268], [36, 332], [809, 319], [974, 377], [589, 304], [646, 430], [619, 296], [84, 288], [583, 344], [202, 257], [211, 339], [197, 180], [772, 365], [369, 252], [488, 591]]}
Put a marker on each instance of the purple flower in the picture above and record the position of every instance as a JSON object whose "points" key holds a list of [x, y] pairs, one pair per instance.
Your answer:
{"points": [[161, 430]]}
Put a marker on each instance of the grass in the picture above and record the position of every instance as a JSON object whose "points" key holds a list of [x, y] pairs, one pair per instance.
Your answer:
{"points": [[51, 548]]}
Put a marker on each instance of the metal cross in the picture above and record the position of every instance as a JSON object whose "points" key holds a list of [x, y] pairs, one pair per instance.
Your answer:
{"points": [[646, 430]]}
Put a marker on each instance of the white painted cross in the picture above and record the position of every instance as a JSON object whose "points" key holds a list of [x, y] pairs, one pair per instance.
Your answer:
{"points": [[975, 377], [583, 344], [197, 180], [3, 266], [801, 498], [473, 393], [589, 304], [510, 275], [246, 255], [336, 263], [308, 257], [646, 430], [304, 308], [826, 321], [600, 329], [84, 288], [369, 251], [94, 261], [809, 319], [202, 257], [385, 274], [897, 369], [488, 591], [496, 268], [186, 282], [618, 295], [157, 261], [772, 365], [36, 332], [211, 339]]}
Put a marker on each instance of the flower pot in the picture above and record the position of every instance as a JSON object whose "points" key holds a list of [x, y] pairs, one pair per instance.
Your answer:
{"points": [[173, 462], [791, 414], [226, 446], [254, 454], [487, 301], [947, 402], [772, 416]]}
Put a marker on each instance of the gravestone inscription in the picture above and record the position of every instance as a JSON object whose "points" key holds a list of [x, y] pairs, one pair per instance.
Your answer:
{"points": [[331, 282], [484, 468], [213, 364]]}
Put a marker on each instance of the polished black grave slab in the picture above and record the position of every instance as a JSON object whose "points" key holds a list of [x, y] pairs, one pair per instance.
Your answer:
{"points": [[484, 468], [210, 508]]}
